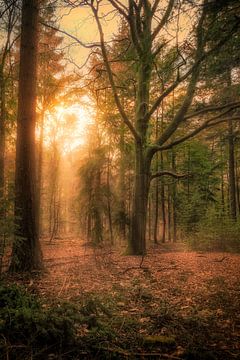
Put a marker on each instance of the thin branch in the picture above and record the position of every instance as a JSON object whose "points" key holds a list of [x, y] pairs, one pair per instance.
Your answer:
{"points": [[197, 63], [167, 173], [230, 106], [122, 9], [87, 46], [164, 18], [7, 8], [207, 124], [111, 78]]}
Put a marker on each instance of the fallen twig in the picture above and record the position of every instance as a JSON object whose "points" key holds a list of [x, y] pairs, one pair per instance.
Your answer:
{"points": [[220, 260]]}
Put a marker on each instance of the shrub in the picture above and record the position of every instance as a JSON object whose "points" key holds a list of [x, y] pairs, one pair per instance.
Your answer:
{"points": [[216, 233]]}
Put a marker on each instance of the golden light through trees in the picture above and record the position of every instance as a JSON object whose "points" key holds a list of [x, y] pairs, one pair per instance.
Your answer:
{"points": [[67, 125], [119, 135]]}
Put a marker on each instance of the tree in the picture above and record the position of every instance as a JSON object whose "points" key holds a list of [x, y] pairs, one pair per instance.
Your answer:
{"points": [[26, 252], [148, 43]]}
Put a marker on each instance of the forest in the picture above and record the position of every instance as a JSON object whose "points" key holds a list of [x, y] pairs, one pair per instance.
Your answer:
{"points": [[119, 179]]}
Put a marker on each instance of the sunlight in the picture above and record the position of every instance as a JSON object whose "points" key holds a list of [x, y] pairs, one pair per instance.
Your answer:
{"points": [[67, 125]]}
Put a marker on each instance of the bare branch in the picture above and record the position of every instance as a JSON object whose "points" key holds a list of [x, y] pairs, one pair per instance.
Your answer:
{"points": [[178, 118], [87, 46], [207, 124], [196, 65], [167, 173], [8, 8], [111, 78], [230, 106], [164, 19], [122, 9]]}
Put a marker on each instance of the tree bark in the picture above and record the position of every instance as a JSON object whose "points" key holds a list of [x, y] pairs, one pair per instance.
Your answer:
{"points": [[174, 199], [2, 132], [169, 204], [109, 210], [39, 173], [231, 169], [122, 187], [222, 181], [26, 252], [137, 240]]}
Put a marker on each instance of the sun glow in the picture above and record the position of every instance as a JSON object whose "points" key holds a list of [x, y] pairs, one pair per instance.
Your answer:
{"points": [[67, 126]]}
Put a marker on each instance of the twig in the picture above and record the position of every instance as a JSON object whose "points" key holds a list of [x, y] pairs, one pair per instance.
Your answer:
{"points": [[220, 260]]}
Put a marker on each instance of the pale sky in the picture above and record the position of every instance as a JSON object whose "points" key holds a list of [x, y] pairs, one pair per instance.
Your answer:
{"points": [[80, 23]]}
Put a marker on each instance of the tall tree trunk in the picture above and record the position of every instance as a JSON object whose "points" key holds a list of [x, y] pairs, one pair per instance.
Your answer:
{"points": [[109, 201], [2, 163], [222, 181], [169, 202], [237, 187], [156, 214], [174, 198], [122, 187], [26, 252], [231, 169], [2, 133], [97, 237], [149, 218], [4, 54], [39, 173], [137, 240], [162, 191]]}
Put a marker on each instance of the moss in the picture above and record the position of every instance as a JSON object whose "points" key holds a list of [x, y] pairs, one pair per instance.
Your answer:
{"points": [[159, 340]]}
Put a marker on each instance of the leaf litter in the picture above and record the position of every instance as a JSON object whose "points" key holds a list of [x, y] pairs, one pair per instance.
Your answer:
{"points": [[173, 303]]}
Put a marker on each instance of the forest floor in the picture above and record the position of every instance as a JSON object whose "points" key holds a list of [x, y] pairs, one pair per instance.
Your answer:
{"points": [[172, 304]]}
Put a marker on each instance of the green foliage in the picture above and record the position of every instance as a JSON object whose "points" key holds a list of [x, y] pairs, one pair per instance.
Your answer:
{"points": [[216, 233], [200, 189], [26, 322], [7, 224]]}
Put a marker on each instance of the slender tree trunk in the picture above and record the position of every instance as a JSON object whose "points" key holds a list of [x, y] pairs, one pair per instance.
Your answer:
{"points": [[231, 169], [26, 252], [222, 181], [162, 191], [122, 187], [109, 202], [188, 172], [155, 235], [2, 165], [97, 213], [4, 54], [174, 198], [149, 218], [237, 187], [169, 202], [156, 214], [2, 133], [39, 173]]}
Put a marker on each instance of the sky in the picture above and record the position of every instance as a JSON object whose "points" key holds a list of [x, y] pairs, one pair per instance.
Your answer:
{"points": [[80, 23]]}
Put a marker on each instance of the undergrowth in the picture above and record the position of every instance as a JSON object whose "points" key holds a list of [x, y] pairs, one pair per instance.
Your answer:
{"points": [[216, 234], [95, 327]]}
